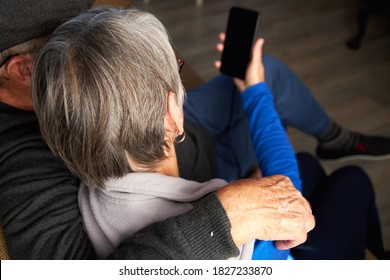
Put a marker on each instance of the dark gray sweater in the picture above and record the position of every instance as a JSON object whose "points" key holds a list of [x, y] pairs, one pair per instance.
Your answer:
{"points": [[41, 219]]}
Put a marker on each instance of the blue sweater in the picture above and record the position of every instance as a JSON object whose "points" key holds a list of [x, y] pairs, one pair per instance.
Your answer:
{"points": [[274, 151]]}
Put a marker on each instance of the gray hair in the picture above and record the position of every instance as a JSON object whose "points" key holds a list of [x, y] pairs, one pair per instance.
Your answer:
{"points": [[100, 88]]}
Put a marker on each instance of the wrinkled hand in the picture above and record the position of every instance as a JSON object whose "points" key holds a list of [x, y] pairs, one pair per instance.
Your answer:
{"points": [[270, 208], [255, 71]]}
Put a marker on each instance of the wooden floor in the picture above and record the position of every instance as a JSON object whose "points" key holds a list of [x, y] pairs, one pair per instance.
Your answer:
{"points": [[309, 36]]}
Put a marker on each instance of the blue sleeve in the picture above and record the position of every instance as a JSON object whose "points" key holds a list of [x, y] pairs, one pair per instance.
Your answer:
{"points": [[274, 151]]}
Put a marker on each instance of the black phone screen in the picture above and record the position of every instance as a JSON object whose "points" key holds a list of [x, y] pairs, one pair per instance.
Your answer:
{"points": [[240, 34]]}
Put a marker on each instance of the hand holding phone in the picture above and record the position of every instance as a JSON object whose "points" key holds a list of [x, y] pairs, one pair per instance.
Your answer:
{"points": [[241, 32], [255, 70]]}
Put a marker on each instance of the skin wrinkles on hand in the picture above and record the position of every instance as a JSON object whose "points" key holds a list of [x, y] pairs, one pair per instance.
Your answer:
{"points": [[253, 208]]}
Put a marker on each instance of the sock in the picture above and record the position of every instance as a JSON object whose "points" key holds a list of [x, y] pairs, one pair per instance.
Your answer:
{"points": [[336, 137]]}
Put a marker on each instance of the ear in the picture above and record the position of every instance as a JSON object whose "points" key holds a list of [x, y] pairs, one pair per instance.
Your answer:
{"points": [[174, 116], [19, 68]]}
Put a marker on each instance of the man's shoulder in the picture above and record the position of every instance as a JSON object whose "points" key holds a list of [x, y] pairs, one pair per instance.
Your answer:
{"points": [[11, 117]]}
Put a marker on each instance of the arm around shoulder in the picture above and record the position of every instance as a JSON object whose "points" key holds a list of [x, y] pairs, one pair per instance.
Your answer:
{"points": [[203, 233]]}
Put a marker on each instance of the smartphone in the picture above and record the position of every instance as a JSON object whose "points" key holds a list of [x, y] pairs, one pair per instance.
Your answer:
{"points": [[241, 32]]}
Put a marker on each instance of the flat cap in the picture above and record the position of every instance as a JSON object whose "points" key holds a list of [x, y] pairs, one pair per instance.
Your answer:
{"points": [[22, 20]]}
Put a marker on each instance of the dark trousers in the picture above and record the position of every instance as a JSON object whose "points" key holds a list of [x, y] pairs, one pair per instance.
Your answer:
{"points": [[343, 203]]}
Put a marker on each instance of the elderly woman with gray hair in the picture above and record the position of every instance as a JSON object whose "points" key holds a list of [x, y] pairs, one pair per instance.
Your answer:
{"points": [[108, 96]]}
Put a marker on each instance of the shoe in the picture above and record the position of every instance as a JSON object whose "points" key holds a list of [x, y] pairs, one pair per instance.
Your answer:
{"points": [[368, 148]]}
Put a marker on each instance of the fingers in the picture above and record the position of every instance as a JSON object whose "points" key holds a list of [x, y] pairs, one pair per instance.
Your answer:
{"points": [[257, 50], [219, 47], [240, 84], [300, 225], [288, 244], [255, 71], [310, 222], [299, 236], [222, 37], [269, 208]]}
